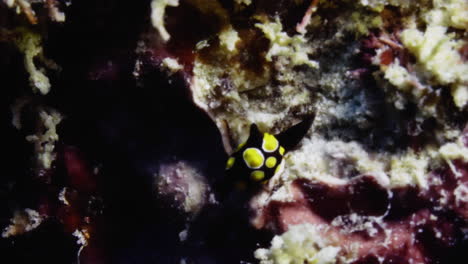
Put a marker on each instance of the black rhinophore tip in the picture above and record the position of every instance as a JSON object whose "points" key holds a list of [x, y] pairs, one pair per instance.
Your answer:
{"points": [[254, 134], [291, 137]]}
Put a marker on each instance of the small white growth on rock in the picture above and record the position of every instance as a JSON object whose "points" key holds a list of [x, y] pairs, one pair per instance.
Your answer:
{"points": [[228, 38], [22, 222], [354, 223], [54, 13], [25, 6], [449, 13], [44, 142], [439, 61], [460, 95], [378, 5], [82, 241], [172, 65], [301, 244], [398, 76], [282, 45], [245, 2], [158, 9], [437, 52], [453, 151], [81, 237], [409, 169], [63, 196], [29, 44]]}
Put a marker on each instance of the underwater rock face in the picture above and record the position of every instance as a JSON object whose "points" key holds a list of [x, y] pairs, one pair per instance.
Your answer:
{"points": [[119, 119]]}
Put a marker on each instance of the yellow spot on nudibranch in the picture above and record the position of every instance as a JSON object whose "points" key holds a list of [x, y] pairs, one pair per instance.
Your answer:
{"points": [[240, 146], [281, 151], [230, 163], [270, 143], [253, 158], [270, 162], [257, 175]]}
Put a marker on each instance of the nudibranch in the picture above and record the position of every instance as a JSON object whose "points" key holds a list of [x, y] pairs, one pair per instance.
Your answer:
{"points": [[258, 159]]}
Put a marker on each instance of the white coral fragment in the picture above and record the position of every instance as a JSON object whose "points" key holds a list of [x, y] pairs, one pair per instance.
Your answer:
{"points": [[281, 44], [245, 2], [301, 244], [460, 95], [44, 142], [378, 5], [437, 49], [228, 39], [398, 76], [453, 151], [82, 239], [437, 53], [29, 44], [172, 65], [23, 221], [450, 13], [158, 9], [25, 7]]}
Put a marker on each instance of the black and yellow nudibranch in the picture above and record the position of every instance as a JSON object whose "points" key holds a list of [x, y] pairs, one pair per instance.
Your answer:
{"points": [[258, 159]]}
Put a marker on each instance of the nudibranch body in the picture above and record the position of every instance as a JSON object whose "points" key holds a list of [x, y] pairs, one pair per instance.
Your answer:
{"points": [[257, 160]]}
